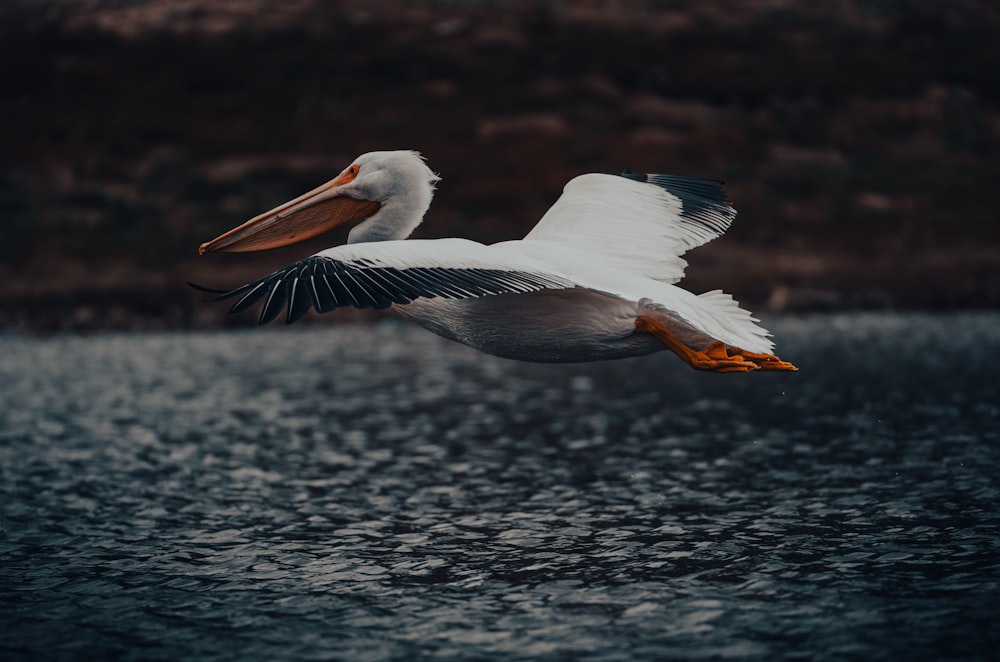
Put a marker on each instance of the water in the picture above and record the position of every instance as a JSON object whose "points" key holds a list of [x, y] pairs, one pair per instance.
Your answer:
{"points": [[358, 493]]}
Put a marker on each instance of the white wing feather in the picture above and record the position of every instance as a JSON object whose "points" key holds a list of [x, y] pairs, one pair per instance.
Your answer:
{"points": [[432, 253], [642, 226]]}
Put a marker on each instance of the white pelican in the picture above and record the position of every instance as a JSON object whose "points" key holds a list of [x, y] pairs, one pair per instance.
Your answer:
{"points": [[593, 280]]}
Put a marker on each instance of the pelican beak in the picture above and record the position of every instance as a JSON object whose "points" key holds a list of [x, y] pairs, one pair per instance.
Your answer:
{"points": [[320, 210]]}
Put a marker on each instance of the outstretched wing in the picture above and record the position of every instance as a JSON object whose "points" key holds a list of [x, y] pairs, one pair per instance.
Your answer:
{"points": [[377, 275], [639, 222]]}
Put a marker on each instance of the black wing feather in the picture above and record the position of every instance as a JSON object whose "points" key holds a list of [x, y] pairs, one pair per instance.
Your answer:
{"points": [[357, 291], [299, 299], [342, 294], [327, 295], [391, 287], [274, 303], [326, 300], [381, 297], [409, 283], [325, 284], [705, 208], [256, 291]]}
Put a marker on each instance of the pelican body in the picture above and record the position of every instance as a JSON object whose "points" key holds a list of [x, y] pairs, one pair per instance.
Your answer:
{"points": [[594, 280]]}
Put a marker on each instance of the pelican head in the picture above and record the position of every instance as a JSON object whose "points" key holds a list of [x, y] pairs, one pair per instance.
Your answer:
{"points": [[388, 191]]}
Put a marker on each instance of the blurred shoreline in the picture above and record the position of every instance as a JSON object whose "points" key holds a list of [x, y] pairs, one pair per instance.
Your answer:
{"points": [[132, 299], [858, 141]]}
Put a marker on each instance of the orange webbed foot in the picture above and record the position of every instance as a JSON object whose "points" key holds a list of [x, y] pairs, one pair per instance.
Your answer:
{"points": [[720, 350], [765, 361], [716, 356]]}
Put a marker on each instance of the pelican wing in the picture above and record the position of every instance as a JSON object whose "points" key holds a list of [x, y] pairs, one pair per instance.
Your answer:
{"points": [[379, 274], [639, 222]]}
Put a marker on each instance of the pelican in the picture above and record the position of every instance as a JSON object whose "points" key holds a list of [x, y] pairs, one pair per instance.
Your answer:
{"points": [[594, 280]]}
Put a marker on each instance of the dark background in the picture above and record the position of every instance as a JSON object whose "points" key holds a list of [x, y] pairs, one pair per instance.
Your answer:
{"points": [[859, 140]]}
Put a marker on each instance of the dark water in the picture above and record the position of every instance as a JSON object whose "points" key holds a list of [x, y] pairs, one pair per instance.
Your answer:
{"points": [[358, 493]]}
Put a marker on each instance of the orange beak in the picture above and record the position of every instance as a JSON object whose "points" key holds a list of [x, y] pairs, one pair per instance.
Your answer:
{"points": [[320, 210]]}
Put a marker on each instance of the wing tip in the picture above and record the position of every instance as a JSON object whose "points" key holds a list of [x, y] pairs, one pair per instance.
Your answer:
{"points": [[704, 202], [206, 290], [710, 190]]}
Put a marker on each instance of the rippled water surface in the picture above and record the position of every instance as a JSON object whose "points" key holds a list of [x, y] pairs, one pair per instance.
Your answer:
{"points": [[377, 493]]}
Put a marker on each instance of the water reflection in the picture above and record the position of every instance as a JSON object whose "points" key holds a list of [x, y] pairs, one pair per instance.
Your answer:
{"points": [[377, 494]]}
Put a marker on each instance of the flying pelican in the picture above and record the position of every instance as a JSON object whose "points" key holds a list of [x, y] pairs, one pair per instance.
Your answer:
{"points": [[593, 280]]}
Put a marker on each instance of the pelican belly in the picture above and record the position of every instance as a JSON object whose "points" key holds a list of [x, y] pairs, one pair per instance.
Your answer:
{"points": [[550, 326]]}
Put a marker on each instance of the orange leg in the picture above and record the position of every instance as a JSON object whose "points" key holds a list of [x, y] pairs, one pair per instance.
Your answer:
{"points": [[717, 356]]}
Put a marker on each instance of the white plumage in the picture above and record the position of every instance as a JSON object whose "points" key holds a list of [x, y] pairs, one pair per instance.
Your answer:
{"points": [[593, 280]]}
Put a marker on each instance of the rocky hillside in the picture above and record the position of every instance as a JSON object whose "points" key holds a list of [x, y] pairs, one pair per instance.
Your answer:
{"points": [[859, 140]]}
